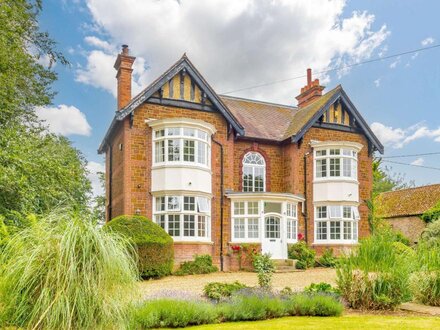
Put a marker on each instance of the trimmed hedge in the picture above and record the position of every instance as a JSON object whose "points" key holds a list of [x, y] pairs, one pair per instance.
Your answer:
{"points": [[154, 246]]}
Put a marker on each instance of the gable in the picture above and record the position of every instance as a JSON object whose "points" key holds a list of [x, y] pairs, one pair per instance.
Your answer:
{"points": [[333, 110], [182, 86]]}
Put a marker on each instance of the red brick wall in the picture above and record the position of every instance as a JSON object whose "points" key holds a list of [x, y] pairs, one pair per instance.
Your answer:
{"points": [[285, 171]]}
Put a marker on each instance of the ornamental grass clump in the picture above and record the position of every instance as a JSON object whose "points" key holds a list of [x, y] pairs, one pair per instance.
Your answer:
{"points": [[425, 281], [376, 274], [65, 273]]}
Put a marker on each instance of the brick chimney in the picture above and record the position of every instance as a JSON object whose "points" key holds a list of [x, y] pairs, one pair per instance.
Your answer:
{"points": [[123, 65], [310, 92]]}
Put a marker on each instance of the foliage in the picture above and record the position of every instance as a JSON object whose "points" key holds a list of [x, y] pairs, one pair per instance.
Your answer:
{"points": [[384, 180], [321, 287], [431, 235], [217, 290], [98, 208], [376, 275], [265, 268], [431, 215], [301, 252], [327, 259], [313, 305], [202, 264], [63, 273], [25, 82], [38, 170], [154, 247], [173, 313], [425, 281]]}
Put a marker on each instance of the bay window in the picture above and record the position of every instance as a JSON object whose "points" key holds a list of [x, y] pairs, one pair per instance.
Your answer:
{"points": [[183, 217], [292, 222], [336, 224], [335, 163], [181, 145]]}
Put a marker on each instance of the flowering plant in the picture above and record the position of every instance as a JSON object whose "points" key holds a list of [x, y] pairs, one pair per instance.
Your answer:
{"points": [[300, 236], [236, 248]]}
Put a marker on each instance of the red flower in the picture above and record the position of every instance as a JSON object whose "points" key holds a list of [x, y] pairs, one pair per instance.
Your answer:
{"points": [[300, 237], [235, 248]]}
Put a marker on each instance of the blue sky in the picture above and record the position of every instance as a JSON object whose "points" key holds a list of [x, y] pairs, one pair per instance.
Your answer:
{"points": [[237, 44]]}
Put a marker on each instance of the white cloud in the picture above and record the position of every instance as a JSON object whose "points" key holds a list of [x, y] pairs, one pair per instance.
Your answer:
{"points": [[64, 120], [99, 43], [377, 82], [94, 168], [234, 44], [398, 137], [418, 161], [427, 41], [394, 64]]}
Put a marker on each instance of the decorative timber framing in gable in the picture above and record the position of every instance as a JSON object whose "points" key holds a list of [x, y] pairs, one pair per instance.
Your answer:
{"points": [[209, 101], [357, 122]]}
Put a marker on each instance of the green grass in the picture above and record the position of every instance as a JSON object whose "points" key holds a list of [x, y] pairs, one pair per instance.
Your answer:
{"points": [[345, 322]]}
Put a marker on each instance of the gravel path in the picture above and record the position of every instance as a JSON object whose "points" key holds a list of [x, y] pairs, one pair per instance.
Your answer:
{"points": [[194, 284]]}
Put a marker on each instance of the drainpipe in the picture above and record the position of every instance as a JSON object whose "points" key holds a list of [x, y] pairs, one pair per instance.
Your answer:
{"points": [[110, 169], [305, 201], [221, 202]]}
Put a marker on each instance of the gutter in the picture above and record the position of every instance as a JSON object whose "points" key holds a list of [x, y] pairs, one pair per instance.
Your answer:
{"points": [[110, 181], [221, 202], [306, 236]]}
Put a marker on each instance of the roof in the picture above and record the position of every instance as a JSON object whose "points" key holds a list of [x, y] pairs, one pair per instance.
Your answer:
{"points": [[252, 118], [407, 202], [255, 117]]}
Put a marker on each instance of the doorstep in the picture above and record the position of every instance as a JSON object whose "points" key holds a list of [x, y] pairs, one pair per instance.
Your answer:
{"points": [[419, 308]]}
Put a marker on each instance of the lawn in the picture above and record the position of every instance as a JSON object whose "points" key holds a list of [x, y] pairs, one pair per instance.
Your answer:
{"points": [[344, 322]]}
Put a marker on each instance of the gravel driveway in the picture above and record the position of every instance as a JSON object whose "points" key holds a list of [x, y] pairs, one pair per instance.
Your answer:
{"points": [[194, 284]]}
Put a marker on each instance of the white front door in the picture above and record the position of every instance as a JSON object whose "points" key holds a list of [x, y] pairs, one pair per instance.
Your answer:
{"points": [[273, 242]]}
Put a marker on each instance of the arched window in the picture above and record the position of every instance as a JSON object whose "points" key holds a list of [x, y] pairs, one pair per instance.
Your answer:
{"points": [[254, 172]]}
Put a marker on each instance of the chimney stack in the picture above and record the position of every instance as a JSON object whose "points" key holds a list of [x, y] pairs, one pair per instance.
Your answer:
{"points": [[123, 66], [310, 92]]}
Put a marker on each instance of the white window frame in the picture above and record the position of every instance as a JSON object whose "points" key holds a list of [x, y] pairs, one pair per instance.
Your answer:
{"points": [[245, 215], [253, 167], [201, 211], [342, 155], [180, 133], [291, 222], [331, 218]]}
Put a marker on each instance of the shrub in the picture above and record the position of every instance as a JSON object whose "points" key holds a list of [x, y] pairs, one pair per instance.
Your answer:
{"points": [[301, 252], [433, 214], [321, 287], [252, 307], [431, 235], [200, 265], [313, 305], [375, 276], [163, 313], [217, 290], [327, 259], [425, 282], [65, 273], [265, 268], [153, 245]]}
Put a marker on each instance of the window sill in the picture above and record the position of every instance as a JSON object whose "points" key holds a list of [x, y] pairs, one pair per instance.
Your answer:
{"points": [[196, 242], [244, 240], [182, 165], [336, 180], [335, 243]]}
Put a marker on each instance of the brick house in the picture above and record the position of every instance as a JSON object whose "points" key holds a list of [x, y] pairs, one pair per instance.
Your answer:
{"points": [[216, 170], [403, 208]]}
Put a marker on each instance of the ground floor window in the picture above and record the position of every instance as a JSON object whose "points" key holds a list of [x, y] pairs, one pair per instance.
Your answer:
{"points": [[246, 221], [292, 222], [184, 218], [336, 224]]}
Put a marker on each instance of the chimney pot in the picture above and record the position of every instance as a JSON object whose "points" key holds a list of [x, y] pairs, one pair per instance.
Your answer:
{"points": [[125, 49], [309, 76]]}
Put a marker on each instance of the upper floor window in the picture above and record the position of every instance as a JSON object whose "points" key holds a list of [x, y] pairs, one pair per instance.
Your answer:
{"points": [[336, 163], [181, 145], [254, 172]]}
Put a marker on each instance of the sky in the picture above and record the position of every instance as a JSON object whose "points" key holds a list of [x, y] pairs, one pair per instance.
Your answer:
{"points": [[240, 44]]}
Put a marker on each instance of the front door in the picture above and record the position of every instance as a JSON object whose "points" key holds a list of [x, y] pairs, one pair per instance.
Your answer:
{"points": [[273, 238]]}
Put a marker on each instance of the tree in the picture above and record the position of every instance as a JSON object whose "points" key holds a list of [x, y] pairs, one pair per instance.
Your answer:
{"points": [[98, 208], [384, 180], [38, 170]]}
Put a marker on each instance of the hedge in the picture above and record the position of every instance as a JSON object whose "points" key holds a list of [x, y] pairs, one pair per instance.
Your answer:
{"points": [[154, 246]]}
